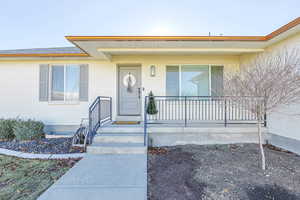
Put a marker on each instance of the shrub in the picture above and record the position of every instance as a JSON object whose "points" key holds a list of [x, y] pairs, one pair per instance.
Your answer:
{"points": [[28, 130], [151, 107], [6, 129]]}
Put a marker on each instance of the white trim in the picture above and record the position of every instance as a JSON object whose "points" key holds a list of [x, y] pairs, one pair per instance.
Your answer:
{"points": [[132, 49], [209, 80], [65, 82], [64, 102], [180, 75], [49, 83]]}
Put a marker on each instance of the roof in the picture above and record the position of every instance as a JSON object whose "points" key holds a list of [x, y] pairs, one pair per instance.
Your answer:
{"points": [[44, 52], [275, 33], [79, 52]]}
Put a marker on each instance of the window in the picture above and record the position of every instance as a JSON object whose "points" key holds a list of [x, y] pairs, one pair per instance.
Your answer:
{"points": [[217, 80], [194, 80], [72, 83], [172, 81], [64, 84]]}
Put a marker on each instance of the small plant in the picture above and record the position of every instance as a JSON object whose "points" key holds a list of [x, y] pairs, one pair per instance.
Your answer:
{"points": [[151, 107], [6, 129], [28, 130]]}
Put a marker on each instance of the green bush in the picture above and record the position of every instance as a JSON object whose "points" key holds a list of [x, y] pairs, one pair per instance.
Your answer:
{"points": [[28, 130], [6, 129], [151, 107]]}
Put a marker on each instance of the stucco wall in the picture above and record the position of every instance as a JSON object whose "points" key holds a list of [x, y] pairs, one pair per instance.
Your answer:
{"points": [[285, 121], [19, 82], [158, 83], [20, 92]]}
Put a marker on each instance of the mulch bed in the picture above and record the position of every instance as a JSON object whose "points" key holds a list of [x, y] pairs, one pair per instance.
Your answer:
{"points": [[157, 151], [222, 172], [43, 146]]}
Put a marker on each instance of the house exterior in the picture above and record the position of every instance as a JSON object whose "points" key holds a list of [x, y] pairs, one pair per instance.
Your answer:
{"points": [[57, 85]]}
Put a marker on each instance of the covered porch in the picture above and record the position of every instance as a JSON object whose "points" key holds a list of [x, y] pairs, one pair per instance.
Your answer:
{"points": [[185, 76], [181, 120], [167, 66]]}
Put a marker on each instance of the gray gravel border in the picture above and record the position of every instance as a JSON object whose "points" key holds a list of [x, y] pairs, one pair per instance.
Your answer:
{"points": [[40, 156]]}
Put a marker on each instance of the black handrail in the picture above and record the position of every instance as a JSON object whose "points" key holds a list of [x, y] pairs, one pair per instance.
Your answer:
{"points": [[100, 112], [191, 110], [145, 121]]}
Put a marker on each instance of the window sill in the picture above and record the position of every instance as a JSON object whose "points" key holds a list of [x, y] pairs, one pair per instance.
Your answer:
{"points": [[63, 102]]}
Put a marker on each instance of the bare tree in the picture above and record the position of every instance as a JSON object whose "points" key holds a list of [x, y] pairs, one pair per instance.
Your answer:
{"points": [[273, 76]]}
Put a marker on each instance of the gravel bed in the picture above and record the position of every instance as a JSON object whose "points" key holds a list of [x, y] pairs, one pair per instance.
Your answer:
{"points": [[43, 146], [222, 172]]}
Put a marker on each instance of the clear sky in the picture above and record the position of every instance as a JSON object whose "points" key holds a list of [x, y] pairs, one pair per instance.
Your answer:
{"points": [[44, 23]]}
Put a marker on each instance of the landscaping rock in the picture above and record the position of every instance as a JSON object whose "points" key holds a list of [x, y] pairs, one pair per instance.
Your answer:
{"points": [[42, 146]]}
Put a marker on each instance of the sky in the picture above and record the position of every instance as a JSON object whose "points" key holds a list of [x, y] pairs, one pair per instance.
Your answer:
{"points": [[44, 23]]}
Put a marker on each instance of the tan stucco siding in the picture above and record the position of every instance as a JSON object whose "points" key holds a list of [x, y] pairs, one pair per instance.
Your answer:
{"points": [[291, 43], [20, 92], [158, 83], [20, 84], [285, 121]]}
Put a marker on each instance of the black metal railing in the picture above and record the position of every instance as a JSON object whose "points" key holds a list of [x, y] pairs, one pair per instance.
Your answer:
{"points": [[192, 110], [100, 112], [80, 136]]}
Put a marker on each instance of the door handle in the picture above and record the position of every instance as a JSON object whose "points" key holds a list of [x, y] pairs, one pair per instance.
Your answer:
{"points": [[139, 93]]}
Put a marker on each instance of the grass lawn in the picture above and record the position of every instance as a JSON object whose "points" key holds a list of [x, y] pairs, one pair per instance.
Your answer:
{"points": [[27, 178]]}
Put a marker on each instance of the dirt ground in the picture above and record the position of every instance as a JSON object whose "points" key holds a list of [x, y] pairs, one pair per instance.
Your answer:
{"points": [[222, 172]]}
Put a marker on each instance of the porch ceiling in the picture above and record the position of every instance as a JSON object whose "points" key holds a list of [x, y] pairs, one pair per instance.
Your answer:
{"points": [[176, 51], [107, 49]]}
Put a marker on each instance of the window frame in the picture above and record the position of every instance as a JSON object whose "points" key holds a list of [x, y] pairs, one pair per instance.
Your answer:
{"points": [[180, 75], [57, 102]]}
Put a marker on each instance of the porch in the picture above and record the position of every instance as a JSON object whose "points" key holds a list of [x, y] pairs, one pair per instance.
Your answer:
{"points": [[178, 121], [176, 134]]}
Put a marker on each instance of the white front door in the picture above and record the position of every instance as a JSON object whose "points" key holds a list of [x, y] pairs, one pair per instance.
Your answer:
{"points": [[129, 90]]}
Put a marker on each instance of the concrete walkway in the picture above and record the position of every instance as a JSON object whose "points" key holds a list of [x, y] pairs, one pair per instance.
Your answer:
{"points": [[103, 177]]}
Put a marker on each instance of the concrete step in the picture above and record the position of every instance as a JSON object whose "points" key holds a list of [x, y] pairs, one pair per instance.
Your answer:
{"points": [[117, 148], [121, 129], [128, 118], [119, 138]]}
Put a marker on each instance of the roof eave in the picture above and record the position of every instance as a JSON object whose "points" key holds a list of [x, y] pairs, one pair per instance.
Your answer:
{"points": [[47, 55], [165, 38], [270, 36]]}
